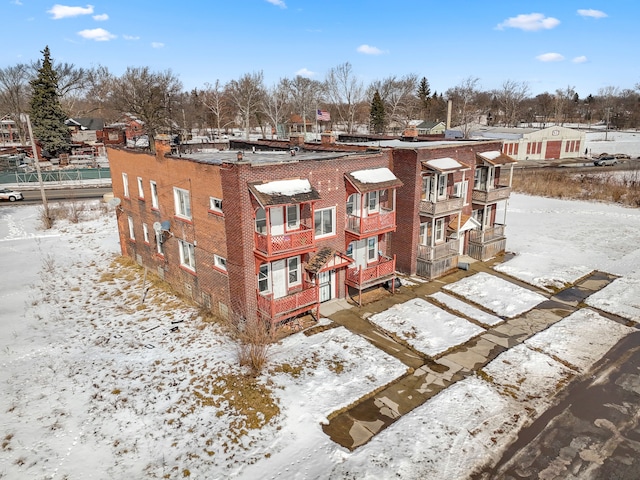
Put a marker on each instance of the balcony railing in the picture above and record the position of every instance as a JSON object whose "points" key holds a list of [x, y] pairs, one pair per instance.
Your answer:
{"points": [[440, 207], [383, 221], [373, 274], [279, 309], [499, 192], [447, 249], [287, 242], [488, 235]]}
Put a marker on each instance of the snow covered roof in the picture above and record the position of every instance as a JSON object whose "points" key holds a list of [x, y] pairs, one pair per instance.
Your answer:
{"points": [[444, 164], [282, 192], [493, 158], [373, 179]]}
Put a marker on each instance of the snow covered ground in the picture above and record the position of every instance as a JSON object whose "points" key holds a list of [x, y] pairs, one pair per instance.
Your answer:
{"points": [[96, 384]]}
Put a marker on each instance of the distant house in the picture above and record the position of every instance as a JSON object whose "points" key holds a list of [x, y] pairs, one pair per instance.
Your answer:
{"points": [[85, 129], [431, 128]]}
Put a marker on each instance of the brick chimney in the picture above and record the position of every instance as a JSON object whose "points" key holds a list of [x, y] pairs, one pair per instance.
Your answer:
{"points": [[327, 138], [163, 148], [296, 140]]}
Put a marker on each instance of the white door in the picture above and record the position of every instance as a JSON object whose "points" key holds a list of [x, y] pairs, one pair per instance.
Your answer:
{"points": [[279, 278], [276, 215], [325, 285], [360, 253], [461, 237]]}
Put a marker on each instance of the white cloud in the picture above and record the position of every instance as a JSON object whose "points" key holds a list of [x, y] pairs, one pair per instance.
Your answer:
{"points": [[101, 17], [303, 72], [591, 13], [580, 59], [131, 37], [97, 34], [157, 44], [16, 2], [530, 22], [369, 50], [550, 57], [64, 11], [278, 3]]}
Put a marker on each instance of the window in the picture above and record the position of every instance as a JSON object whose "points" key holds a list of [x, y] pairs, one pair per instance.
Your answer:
{"points": [[154, 194], [372, 249], [442, 185], [140, 189], [215, 204], [349, 251], [261, 221], [465, 192], [439, 230], [125, 184], [132, 235], [324, 222], [293, 265], [145, 232], [353, 205], [159, 241], [220, 262], [426, 188], [263, 278], [187, 255], [372, 201], [293, 217], [424, 234], [487, 216], [182, 202]]}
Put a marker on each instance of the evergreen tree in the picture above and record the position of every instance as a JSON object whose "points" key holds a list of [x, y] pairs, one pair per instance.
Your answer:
{"points": [[424, 90], [47, 116], [377, 115]]}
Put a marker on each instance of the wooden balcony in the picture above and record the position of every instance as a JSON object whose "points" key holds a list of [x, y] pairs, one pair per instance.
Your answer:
{"points": [[447, 249], [362, 227], [277, 310], [440, 207], [487, 235], [486, 244], [497, 193], [375, 273], [275, 245]]}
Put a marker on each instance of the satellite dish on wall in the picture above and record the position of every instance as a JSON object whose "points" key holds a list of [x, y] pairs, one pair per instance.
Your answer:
{"points": [[157, 227], [114, 202], [166, 225]]}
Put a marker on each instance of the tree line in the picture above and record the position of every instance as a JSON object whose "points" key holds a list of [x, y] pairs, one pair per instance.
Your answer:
{"points": [[384, 106]]}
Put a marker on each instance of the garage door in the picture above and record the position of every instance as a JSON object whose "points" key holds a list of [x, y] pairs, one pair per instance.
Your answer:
{"points": [[553, 149]]}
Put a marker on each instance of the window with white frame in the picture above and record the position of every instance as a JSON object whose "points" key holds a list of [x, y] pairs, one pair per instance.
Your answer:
{"points": [[264, 282], [372, 249], [125, 184], [293, 217], [465, 192], [154, 194], [439, 230], [487, 216], [140, 189], [187, 255], [220, 262], [442, 186], [423, 239], [145, 232], [353, 205], [349, 252], [261, 221], [215, 204], [325, 222], [132, 234], [372, 201], [182, 202], [293, 266], [427, 188]]}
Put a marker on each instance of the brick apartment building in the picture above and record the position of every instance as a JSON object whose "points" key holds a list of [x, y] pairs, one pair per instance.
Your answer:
{"points": [[264, 234], [272, 234]]}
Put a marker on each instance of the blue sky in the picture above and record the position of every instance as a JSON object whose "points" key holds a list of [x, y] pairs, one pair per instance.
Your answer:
{"points": [[587, 44]]}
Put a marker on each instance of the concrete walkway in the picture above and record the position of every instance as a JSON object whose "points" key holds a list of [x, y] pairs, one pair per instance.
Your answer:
{"points": [[358, 424]]}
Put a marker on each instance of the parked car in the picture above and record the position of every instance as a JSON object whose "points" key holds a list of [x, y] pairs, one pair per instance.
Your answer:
{"points": [[11, 195], [605, 161]]}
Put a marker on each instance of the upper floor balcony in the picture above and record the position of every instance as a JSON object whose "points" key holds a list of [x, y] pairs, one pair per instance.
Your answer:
{"points": [[273, 245], [374, 224], [444, 206], [490, 195]]}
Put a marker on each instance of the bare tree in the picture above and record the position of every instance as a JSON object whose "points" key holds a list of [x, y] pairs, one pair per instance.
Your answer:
{"points": [[345, 92], [214, 99], [564, 104], [14, 94], [305, 94], [399, 96], [274, 106], [148, 96], [465, 110], [509, 99], [246, 95]]}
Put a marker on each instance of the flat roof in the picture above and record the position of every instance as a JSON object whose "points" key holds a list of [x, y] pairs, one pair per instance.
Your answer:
{"points": [[218, 157]]}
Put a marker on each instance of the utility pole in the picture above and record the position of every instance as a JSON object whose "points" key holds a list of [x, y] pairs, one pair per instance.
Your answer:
{"points": [[37, 163], [606, 128]]}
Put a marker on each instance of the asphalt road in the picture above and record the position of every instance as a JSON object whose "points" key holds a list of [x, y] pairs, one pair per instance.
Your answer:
{"points": [[33, 196]]}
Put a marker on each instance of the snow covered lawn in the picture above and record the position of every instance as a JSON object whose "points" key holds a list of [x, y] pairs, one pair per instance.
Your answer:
{"points": [[620, 297], [504, 298], [466, 309], [427, 328]]}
